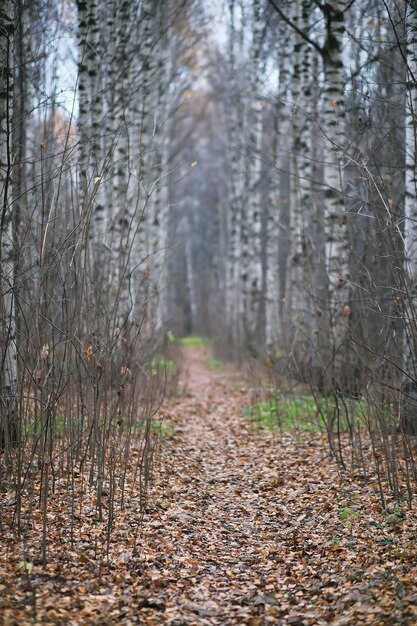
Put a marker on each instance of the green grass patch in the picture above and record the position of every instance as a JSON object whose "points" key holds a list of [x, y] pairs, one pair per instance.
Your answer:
{"points": [[156, 427], [60, 426], [34, 427], [170, 336], [162, 430], [161, 365], [194, 341], [215, 364], [305, 413], [348, 514]]}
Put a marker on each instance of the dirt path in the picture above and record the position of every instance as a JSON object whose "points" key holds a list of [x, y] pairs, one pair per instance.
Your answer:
{"points": [[243, 530]]}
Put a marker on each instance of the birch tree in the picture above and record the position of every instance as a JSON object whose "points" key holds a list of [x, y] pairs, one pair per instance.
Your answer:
{"points": [[252, 260], [88, 40], [410, 220], [410, 227], [8, 347], [274, 295], [158, 219], [294, 314], [125, 219], [333, 127], [234, 213]]}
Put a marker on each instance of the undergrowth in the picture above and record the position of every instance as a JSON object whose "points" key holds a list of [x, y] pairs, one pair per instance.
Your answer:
{"points": [[61, 427], [161, 364], [215, 364], [305, 413], [162, 430]]}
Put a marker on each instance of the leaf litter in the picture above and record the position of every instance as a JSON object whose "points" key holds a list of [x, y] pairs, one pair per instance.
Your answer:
{"points": [[240, 528]]}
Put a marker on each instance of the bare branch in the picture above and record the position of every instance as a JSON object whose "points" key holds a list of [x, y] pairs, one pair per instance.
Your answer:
{"points": [[300, 32]]}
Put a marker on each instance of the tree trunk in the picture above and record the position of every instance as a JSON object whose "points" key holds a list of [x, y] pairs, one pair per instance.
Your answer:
{"points": [[253, 272], [8, 349], [159, 206], [295, 292], [333, 129], [273, 291], [409, 397], [301, 205], [234, 213]]}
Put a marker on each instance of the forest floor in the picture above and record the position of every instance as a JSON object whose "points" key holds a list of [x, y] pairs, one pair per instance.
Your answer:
{"points": [[243, 527]]}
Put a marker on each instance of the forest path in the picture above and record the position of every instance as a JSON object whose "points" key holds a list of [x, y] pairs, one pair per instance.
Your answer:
{"points": [[245, 529], [241, 528], [224, 517]]}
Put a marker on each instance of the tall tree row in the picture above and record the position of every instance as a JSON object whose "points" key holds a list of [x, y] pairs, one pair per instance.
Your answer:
{"points": [[122, 185], [315, 220], [308, 293], [86, 118]]}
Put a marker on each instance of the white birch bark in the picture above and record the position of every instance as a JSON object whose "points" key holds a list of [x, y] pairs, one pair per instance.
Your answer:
{"points": [[125, 207], [89, 98], [333, 126], [410, 213], [159, 205], [95, 199], [189, 266], [253, 273], [410, 226], [96, 90], [110, 127], [83, 96], [294, 298], [315, 252], [143, 243], [274, 295], [302, 204], [243, 102], [304, 150], [8, 348], [233, 273]]}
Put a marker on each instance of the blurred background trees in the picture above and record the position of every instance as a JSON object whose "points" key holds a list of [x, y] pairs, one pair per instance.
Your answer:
{"points": [[301, 235], [314, 101]]}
